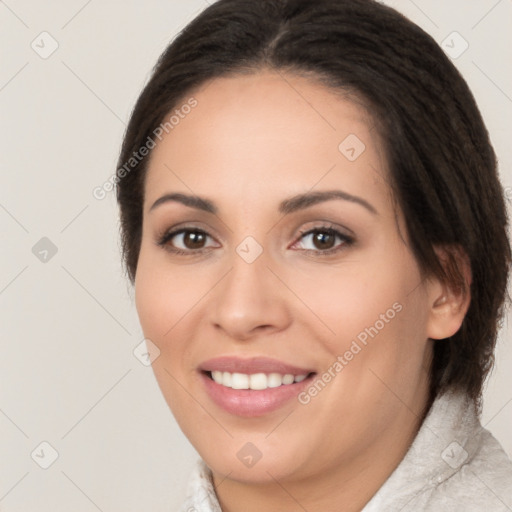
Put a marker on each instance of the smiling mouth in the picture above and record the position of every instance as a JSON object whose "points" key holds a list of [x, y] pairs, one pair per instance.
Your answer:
{"points": [[255, 381]]}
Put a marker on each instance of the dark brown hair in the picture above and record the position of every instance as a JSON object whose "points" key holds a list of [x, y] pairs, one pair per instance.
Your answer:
{"points": [[442, 166]]}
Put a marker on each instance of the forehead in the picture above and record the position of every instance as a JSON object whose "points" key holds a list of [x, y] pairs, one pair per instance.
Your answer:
{"points": [[268, 133]]}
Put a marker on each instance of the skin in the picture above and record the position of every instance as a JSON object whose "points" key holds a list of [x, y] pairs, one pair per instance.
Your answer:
{"points": [[251, 142]]}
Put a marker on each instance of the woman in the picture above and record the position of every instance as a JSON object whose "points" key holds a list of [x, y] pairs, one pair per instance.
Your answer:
{"points": [[312, 219]]}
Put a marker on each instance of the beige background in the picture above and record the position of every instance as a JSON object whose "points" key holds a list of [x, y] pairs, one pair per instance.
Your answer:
{"points": [[69, 327]]}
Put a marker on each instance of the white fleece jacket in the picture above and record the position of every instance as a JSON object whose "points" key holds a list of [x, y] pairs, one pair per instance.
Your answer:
{"points": [[452, 465]]}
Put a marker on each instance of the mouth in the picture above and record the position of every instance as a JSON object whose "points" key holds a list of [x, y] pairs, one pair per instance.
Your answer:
{"points": [[253, 387], [255, 381]]}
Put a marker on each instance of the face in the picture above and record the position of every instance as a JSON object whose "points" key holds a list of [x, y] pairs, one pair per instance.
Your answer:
{"points": [[311, 300]]}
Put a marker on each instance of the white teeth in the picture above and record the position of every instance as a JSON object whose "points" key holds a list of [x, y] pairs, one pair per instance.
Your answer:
{"points": [[240, 381], [288, 378], [274, 380], [217, 376], [256, 381], [226, 379]]}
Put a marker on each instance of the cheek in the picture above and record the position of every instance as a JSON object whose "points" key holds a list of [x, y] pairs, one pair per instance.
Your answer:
{"points": [[374, 358], [372, 314], [348, 300], [168, 301], [153, 303], [162, 296], [162, 302]]}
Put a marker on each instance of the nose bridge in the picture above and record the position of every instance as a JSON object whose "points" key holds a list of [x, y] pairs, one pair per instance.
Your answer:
{"points": [[247, 281], [249, 296]]}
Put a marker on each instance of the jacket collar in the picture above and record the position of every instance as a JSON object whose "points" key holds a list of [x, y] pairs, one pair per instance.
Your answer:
{"points": [[447, 439]]}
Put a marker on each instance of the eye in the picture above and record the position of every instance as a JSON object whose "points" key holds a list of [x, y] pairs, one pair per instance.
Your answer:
{"points": [[190, 240], [323, 238]]}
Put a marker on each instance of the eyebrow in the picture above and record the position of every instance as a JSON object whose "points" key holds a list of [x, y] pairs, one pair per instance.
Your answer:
{"points": [[199, 203], [290, 205]]}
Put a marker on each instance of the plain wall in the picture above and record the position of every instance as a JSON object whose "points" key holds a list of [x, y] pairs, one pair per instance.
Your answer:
{"points": [[69, 326]]}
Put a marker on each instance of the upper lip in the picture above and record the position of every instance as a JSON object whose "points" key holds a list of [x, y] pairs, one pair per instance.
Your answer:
{"points": [[234, 364]]}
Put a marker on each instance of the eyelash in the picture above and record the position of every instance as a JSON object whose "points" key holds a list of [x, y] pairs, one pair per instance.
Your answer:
{"points": [[163, 240]]}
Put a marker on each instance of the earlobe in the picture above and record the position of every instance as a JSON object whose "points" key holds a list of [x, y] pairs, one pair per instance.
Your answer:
{"points": [[449, 301]]}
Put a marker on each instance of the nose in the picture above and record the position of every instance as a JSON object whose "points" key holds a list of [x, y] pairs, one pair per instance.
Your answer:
{"points": [[250, 300]]}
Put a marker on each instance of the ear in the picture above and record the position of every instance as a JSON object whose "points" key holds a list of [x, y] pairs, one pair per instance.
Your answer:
{"points": [[448, 303]]}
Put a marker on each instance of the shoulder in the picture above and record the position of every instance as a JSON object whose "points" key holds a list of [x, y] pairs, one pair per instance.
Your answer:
{"points": [[453, 464], [483, 481]]}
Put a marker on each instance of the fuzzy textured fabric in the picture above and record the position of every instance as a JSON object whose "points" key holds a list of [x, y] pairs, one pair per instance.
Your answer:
{"points": [[453, 464]]}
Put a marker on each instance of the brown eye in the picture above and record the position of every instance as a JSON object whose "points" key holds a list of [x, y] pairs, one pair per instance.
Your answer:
{"points": [[184, 241], [193, 239], [323, 240]]}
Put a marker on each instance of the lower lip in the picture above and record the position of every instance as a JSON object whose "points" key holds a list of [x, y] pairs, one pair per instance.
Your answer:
{"points": [[251, 403]]}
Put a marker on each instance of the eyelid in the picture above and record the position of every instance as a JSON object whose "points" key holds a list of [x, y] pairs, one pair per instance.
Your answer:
{"points": [[346, 239], [167, 235], [164, 237], [184, 226]]}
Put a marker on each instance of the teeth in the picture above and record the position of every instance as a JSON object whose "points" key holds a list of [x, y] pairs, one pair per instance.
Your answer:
{"points": [[226, 379], [240, 381], [288, 379], [274, 380], [256, 381]]}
